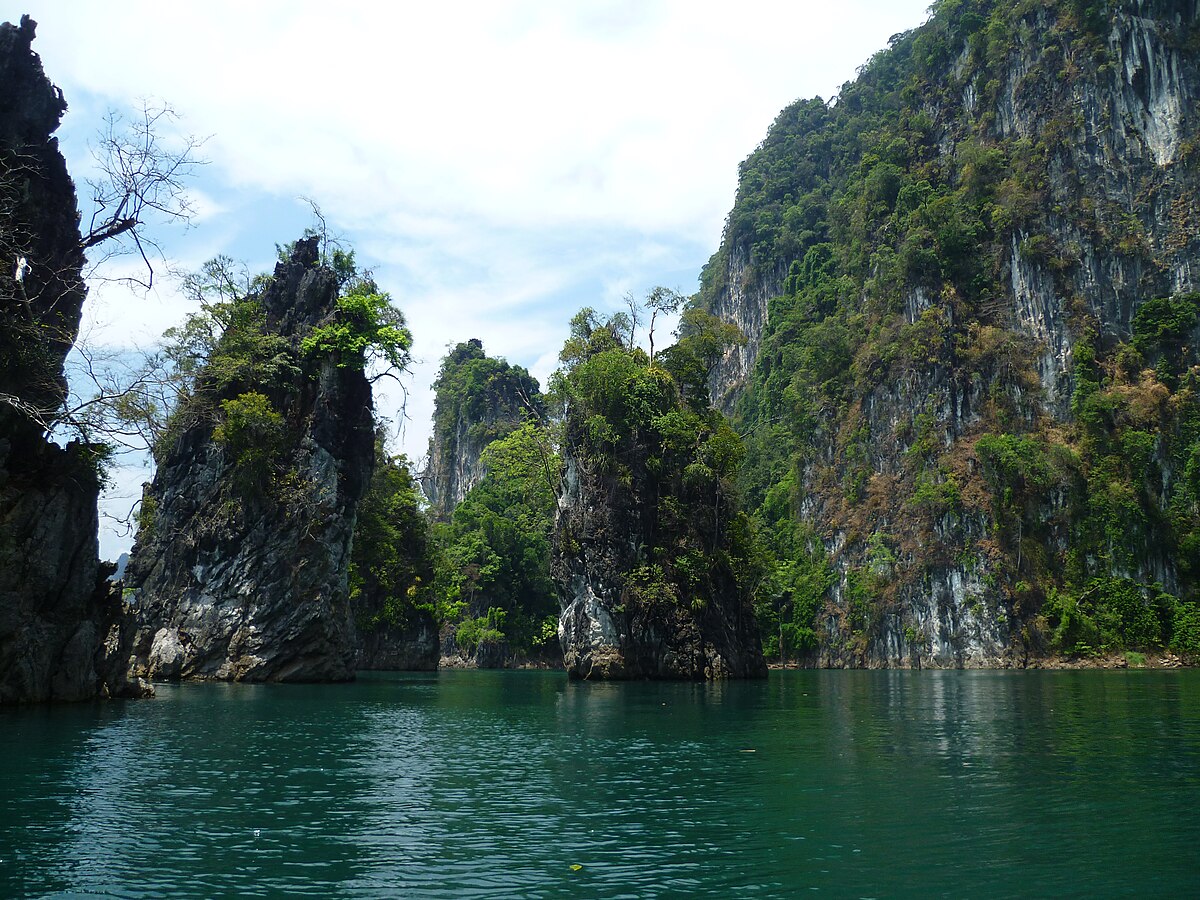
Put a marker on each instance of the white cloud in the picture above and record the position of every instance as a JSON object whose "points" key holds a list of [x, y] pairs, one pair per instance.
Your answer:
{"points": [[526, 113]]}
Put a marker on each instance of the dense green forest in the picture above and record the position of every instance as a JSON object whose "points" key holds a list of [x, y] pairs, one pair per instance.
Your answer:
{"points": [[492, 559]]}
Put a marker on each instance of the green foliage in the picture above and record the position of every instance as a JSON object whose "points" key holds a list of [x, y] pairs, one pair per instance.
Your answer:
{"points": [[146, 518], [1110, 613], [648, 586], [494, 554], [796, 586], [1164, 327], [246, 354], [1139, 436], [1185, 629], [936, 493], [391, 571], [252, 434], [364, 329], [485, 629], [96, 458], [1016, 466]]}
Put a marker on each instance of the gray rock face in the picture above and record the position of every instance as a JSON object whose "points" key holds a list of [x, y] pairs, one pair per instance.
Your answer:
{"points": [[411, 647], [61, 628], [600, 530], [55, 610], [743, 301], [254, 589], [454, 468]]}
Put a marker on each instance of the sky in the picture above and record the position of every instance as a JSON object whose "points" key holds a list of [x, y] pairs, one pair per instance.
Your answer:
{"points": [[498, 165]]}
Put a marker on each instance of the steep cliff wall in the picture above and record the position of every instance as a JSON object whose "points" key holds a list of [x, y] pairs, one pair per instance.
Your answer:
{"points": [[970, 400], [240, 569], [477, 399], [615, 623], [55, 612]]}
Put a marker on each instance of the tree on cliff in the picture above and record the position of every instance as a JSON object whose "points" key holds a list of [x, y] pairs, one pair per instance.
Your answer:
{"points": [[492, 559], [142, 175], [141, 179], [230, 342]]}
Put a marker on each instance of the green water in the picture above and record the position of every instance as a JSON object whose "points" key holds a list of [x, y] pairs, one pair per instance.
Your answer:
{"points": [[859, 784]]}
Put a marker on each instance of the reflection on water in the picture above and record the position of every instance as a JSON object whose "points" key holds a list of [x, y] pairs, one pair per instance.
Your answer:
{"points": [[499, 783]]}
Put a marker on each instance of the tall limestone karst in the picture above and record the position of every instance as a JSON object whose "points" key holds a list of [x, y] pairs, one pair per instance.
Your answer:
{"points": [[491, 478], [970, 390], [477, 399], [654, 560], [55, 609], [240, 566]]}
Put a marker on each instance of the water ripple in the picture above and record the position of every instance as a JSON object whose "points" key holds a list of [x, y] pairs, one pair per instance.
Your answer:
{"points": [[524, 784]]}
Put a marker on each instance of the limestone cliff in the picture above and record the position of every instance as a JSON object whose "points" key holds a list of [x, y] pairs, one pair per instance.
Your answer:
{"points": [[477, 399], [608, 629], [240, 568], [652, 556], [55, 609], [967, 388], [409, 647]]}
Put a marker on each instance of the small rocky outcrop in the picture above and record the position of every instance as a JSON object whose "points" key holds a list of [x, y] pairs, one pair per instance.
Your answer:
{"points": [[495, 653], [56, 612], [478, 399], [241, 574], [612, 629], [410, 646]]}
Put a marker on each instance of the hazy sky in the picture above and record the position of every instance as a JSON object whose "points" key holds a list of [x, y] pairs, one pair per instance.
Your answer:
{"points": [[498, 164]]}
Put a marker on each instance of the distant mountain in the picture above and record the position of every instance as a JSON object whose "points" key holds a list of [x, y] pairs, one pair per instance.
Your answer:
{"points": [[477, 399]]}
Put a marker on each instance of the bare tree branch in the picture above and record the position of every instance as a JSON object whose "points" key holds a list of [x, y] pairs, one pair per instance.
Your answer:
{"points": [[141, 182]]}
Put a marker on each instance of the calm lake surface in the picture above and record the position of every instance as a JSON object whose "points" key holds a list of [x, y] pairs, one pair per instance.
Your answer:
{"points": [[497, 784]]}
